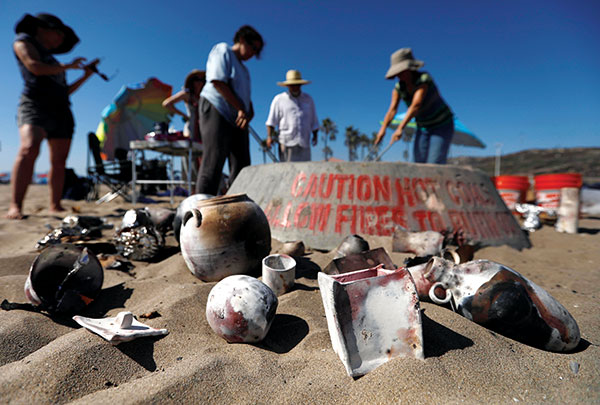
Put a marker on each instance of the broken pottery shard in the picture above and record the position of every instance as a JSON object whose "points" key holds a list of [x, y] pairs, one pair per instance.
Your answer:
{"points": [[161, 217], [461, 254], [532, 215], [64, 279], [373, 316], [428, 243], [138, 238], [121, 328], [351, 244], [294, 248], [359, 261], [241, 309], [74, 228], [499, 298]]}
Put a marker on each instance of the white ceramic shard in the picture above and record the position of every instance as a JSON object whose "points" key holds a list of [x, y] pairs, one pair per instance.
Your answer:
{"points": [[427, 243], [121, 328], [373, 316], [568, 210]]}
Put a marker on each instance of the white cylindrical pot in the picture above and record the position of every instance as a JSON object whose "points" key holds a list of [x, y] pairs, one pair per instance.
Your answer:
{"points": [[279, 273]]}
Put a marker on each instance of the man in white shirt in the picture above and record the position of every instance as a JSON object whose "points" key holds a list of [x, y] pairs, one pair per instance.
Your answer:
{"points": [[293, 113]]}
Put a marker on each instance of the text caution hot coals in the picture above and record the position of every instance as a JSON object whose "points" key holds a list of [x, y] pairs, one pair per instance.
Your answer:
{"points": [[322, 202]]}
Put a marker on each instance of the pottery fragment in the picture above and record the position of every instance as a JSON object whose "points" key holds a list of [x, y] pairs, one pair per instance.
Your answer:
{"points": [[499, 298], [373, 316]]}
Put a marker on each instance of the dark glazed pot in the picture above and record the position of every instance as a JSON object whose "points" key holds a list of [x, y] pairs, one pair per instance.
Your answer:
{"points": [[224, 236], [64, 279]]}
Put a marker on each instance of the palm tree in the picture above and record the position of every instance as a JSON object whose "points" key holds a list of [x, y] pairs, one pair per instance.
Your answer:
{"points": [[329, 130], [365, 143], [352, 141]]}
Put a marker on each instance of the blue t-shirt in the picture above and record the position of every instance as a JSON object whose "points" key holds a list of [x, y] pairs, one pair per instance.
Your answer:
{"points": [[224, 66]]}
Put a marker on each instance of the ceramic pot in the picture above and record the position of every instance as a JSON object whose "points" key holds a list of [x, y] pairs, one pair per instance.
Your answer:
{"points": [[499, 298], [225, 236], [241, 309]]}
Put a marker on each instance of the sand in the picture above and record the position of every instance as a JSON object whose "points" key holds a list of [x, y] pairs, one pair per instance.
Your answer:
{"points": [[44, 360]]}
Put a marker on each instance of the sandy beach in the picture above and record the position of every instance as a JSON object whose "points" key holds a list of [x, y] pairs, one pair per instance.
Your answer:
{"points": [[45, 360]]}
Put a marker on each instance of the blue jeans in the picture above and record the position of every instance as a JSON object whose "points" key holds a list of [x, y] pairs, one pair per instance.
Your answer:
{"points": [[432, 145]]}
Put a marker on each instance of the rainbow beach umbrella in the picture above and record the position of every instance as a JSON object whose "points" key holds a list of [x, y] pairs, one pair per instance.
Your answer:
{"points": [[132, 114]]}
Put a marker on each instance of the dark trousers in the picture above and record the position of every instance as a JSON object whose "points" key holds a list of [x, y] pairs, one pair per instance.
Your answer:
{"points": [[220, 140]]}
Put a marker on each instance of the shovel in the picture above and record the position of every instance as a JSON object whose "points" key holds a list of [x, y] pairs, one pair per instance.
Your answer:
{"points": [[260, 142]]}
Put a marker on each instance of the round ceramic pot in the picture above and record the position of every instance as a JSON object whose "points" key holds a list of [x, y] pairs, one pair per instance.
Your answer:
{"points": [[224, 236], [241, 309]]}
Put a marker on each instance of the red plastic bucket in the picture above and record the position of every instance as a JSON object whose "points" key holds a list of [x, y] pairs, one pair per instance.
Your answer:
{"points": [[512, 189], [547, 187]]}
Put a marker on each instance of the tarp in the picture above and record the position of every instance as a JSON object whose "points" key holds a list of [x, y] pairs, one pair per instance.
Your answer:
{"points": [[462, 135]]}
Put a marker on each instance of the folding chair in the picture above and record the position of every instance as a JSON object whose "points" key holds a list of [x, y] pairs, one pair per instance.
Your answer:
{"points": [[116, 175]]}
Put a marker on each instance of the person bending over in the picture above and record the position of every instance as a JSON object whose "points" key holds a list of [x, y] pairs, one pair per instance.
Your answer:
{"points": [[435, 123]]}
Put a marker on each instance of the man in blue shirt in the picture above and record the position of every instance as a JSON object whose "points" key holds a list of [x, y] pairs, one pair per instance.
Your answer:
{"points": [[226, 109]]}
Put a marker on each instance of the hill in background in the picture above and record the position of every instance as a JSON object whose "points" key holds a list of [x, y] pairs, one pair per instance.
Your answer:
{"points": [[540, 161]]}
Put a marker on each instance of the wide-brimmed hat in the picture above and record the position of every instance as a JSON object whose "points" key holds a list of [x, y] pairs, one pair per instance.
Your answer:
{"points": [[293, 77], [29, 24], [402, 60], [193, 75]]}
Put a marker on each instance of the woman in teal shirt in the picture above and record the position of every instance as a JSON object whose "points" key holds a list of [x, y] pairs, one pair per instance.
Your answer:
{"points": [[435, 123]]}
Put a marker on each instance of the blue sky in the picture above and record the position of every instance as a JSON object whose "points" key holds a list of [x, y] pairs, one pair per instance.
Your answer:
{"points": [[525, 74]]}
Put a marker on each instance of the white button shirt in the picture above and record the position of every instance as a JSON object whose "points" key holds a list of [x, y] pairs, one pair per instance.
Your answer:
{"points": [[296, 118]]}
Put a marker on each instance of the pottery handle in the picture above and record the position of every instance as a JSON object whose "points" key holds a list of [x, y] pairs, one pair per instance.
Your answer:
{"points": [[435, 298], [193, 212]]}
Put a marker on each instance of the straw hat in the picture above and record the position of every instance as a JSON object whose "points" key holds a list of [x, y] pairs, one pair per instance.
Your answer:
{"points": [[194, 74], [293, 77], [402, 60], [29, 25]]}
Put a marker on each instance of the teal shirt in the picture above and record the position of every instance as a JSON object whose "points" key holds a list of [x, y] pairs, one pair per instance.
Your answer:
{"points": [[434, 111]]}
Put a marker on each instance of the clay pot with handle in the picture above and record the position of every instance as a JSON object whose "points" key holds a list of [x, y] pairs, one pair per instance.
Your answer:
{"points": [[223, 236]]}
